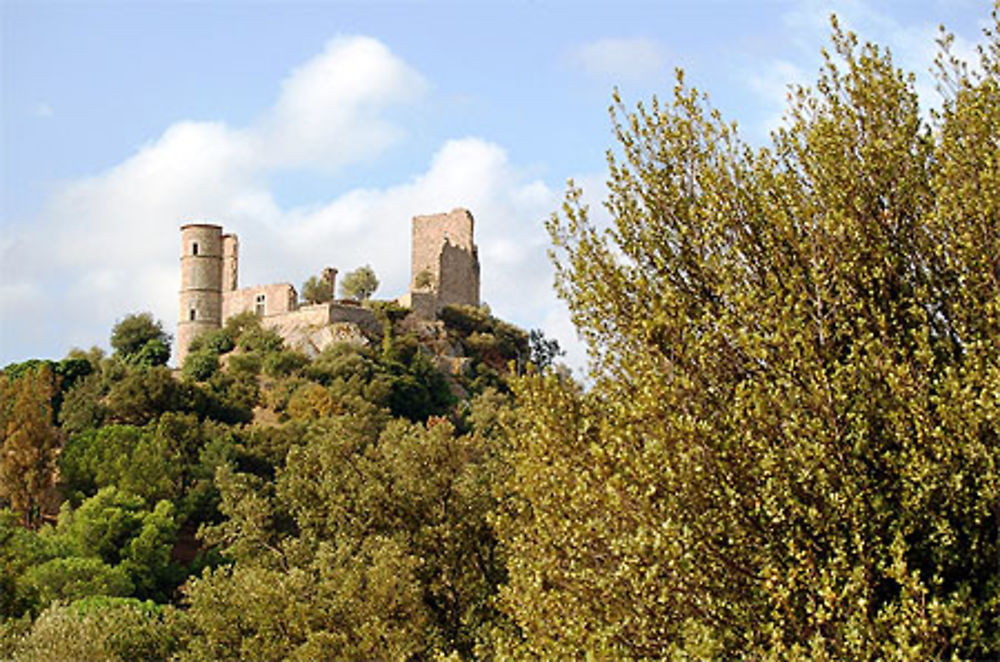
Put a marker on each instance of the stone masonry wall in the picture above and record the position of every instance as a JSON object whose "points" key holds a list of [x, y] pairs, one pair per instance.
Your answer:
{"points": [[459, 277], [429, 235], [279, 298], [443, 247]]}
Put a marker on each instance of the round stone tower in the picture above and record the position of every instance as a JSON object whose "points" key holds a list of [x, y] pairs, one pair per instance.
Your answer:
{"points": [[201, 284]]}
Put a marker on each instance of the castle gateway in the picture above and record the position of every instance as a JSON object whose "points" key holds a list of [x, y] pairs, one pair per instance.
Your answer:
{"points": [[444, 271]]}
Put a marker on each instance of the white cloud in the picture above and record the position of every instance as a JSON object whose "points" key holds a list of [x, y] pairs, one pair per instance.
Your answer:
{"points": [[621, 59], [108, 244], [329, 110]]}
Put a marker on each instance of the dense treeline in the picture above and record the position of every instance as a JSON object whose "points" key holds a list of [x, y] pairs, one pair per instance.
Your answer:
{"points": [[788, 449], [259, 504]]}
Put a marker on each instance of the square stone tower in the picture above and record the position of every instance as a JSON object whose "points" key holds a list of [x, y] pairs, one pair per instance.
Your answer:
{"points": [[445, 259]]}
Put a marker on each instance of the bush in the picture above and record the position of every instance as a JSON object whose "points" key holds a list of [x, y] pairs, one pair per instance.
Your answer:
{"points": [[73, 578], [244, 365], [218, 341], [201, 365], [103, 630], [258, 339], [284, 363]]}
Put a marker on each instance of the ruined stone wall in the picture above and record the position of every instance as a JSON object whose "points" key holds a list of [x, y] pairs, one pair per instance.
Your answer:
{"points": [[429, 235], [279, 298], [459, 277], [315, 315], [443, 247], [423, 304]]}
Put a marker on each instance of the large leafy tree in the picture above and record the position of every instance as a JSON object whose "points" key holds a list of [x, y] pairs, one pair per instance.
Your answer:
{"points": [[140, 339], [791, 446], [29, 441]]}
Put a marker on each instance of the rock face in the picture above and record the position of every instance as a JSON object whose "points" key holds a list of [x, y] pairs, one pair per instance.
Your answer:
{"points": [[311, 339]]}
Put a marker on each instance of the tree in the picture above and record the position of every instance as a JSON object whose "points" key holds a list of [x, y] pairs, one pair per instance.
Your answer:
{"points": [[317, 290], [140, 339], [143, 394], [201, 365], [544, 351], [29, 441], [791, 446], [349, 554], [103, 629], [359, 284]]}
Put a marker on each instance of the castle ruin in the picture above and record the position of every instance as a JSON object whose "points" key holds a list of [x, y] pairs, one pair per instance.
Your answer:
{"points": [[444, 271]]}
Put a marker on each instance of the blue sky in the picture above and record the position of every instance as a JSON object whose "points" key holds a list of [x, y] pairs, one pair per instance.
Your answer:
{"points": [[315, 130]]}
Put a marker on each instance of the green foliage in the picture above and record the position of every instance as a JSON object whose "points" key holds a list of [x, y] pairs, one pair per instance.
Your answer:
{"points": [[243, 366], [485, 338], [377, 561], [359, 284], [317, 290], [29, 441], [466, 319], [420, 390], [229, 398], [104, 458], [173, 459], [389, 311], [284, 363], [74, 577], [218, 341], [118, 529], [83, 407], [790, 449], [237, 325], [141, 340], [20, 549], [200, 365], [103, 630], [94, 356], [142, 395], [351, 604], [260, 340], [543, 351]]}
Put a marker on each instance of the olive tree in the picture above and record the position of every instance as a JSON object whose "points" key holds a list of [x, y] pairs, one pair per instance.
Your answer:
{"points": [[359, 284], [792, 441]]}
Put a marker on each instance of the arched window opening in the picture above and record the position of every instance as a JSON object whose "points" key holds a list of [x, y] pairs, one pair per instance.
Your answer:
{"points": [[192, 314], [194, 248], [259, 305]]}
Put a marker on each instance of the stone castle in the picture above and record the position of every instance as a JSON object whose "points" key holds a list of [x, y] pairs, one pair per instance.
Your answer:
{"points": [[444, 271]]}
